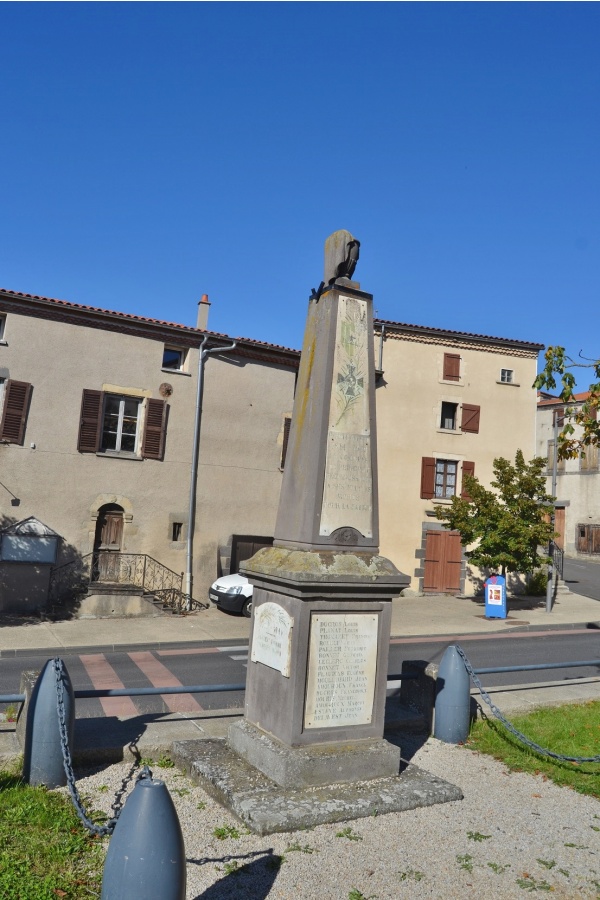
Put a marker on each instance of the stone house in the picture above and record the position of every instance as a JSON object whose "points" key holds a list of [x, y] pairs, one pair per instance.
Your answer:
{"points": [[577, 510], [97, 435], [448, 404]]}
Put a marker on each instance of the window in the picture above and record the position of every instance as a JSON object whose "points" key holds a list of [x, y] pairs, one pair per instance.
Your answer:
{"points": [[451, 367], [588, 459], [112, 423], [173, 358], [445, 478], [176, 529], [438, 478], [15, 406], [448, 419], [2, 327], [120, 424], [506, 376]]}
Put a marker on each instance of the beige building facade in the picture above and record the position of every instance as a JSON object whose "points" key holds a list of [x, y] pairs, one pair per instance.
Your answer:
{"points": [[97, 416], [577, 509], [97, 433], [448, 403]]}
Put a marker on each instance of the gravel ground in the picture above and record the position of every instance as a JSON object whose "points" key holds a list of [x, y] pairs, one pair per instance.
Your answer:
{"points": [[512, 834]]}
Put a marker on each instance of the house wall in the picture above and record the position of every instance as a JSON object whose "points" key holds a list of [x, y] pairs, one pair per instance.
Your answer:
{"points": [[408, 425], [240, 446], [577, 483]]}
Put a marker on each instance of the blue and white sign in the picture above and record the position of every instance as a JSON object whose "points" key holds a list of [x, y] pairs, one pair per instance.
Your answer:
{"points": [[495, 597]]}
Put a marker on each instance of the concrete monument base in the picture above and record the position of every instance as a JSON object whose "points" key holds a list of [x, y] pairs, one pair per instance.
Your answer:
{"points": [[316, 764], [265, 807]]}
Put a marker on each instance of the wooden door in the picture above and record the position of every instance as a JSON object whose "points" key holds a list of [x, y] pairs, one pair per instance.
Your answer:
{"points": [[443, 557], [107, 546]]}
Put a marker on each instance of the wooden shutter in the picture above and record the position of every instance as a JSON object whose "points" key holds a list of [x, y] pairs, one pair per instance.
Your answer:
{"points": [[451, 367], [287, 422], [427, 477], [90, 421], [468, 468], [470, 418], [155, 427], [14, 415]]}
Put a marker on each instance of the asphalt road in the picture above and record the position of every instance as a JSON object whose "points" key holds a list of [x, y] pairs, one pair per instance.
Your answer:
{"points": [[212, 663], [582, 577]]}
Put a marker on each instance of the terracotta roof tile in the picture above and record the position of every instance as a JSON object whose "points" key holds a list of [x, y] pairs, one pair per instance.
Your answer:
{"points": [[466, 334], [135, 318]]}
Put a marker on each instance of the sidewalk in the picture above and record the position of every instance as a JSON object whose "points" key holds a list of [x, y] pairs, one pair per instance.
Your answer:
{"points": [[437, 614], [438, 617]]}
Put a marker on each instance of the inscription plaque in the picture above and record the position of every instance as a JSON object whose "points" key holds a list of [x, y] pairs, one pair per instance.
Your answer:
{"points": [[342, 665], [348, 482], [272, 637]]}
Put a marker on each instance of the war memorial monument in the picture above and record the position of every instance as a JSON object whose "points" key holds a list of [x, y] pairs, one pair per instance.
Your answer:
{"points": [[310, 748]]}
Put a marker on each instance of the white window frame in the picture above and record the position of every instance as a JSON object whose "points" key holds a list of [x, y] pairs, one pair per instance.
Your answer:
{"points": [[2, 328], [510, 376], [182, 351], [119, 434], [444, 486]]}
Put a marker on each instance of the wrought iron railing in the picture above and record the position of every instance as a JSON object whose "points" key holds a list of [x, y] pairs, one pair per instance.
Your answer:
{"points": [[73, 579], [558, 558]]}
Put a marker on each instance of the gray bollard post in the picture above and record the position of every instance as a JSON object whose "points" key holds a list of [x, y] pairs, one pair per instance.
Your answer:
{"points": [[453, 700], [42, 753], [146, 854]]}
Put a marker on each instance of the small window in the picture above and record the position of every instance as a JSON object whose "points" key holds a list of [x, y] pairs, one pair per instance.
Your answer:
{"points": [[176, 529], [120, 424], [445, 478], [173, 358], [448, 418], [2, 327], [507, 376]]}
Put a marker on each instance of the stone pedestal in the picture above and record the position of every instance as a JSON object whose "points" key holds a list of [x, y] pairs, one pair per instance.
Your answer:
{"points": [[317, 669]]}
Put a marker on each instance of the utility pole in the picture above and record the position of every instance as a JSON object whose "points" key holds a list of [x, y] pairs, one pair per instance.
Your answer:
{"points": [[551, 566]]}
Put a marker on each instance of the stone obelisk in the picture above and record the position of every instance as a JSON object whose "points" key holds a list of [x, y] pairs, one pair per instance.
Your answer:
{"points": [[317, 673]]}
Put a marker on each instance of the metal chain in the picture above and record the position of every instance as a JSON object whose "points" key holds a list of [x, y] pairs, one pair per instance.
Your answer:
{"points": [[518, 734], [102, 830]]}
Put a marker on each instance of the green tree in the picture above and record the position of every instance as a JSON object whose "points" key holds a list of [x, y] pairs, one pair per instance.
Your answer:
{"points": [[504, 527], [584, 415]]}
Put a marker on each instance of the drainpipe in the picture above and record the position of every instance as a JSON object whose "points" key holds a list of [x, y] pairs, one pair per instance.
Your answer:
{"points": [[381, 339], [189, 555]]}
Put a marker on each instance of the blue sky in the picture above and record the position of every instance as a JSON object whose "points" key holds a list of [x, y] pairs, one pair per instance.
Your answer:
{"points": [[152, 152]]}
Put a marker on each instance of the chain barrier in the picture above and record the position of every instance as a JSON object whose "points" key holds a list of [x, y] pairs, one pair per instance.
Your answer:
{"points": [[508, 725], [101, 830]]}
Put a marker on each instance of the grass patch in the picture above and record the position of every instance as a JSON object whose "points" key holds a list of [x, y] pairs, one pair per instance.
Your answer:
{"points": [[572, 730], [45, 852]]}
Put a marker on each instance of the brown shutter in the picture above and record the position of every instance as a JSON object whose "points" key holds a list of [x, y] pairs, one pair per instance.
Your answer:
{"points": [[90, 421], [451, 366], [153, 446], [468, 468], [287, 422], [470, 418], [14, 415], [427, 477]]}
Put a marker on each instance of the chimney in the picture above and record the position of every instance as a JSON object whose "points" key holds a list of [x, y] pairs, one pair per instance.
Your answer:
{"points": [[203, 308]]}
